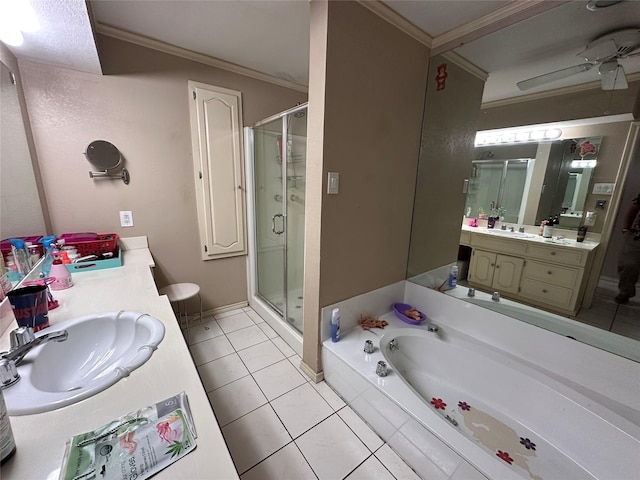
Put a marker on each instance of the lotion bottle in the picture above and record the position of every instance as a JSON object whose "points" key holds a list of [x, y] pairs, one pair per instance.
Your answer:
{"points": [[335, 325], [453, 276], [7, 442]]}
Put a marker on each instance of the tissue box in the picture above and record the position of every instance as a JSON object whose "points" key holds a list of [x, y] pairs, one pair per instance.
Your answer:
{"points": [[116, 261]]}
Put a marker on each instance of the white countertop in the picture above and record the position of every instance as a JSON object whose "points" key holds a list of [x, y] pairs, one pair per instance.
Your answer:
{"points": [[41, 438], [552, 242]]}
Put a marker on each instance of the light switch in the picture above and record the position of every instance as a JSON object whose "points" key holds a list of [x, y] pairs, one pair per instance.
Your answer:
{"points": [[126, 218], [333, 183], [590, 219]]}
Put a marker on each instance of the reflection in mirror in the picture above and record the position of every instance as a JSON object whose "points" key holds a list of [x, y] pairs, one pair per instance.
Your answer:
{"points": [[501, 182], [20, 208]]}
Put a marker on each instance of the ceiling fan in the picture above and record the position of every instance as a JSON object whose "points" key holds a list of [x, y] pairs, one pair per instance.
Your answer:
{"points": [[604, 51]]}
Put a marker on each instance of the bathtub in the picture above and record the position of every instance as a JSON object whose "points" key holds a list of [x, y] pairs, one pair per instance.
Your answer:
{"points": [[608, 341], [456, 407]]}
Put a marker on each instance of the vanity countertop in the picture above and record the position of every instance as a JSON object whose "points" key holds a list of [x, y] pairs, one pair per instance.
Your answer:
{"points": [[533, 238], [41, 438]]}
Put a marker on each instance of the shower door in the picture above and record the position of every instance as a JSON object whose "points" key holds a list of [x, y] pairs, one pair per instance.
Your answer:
{"points": [[279, 145]]}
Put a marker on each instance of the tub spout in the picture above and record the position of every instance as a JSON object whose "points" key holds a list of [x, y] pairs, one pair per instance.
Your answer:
{"points": [[432, 327], [393, 344]]}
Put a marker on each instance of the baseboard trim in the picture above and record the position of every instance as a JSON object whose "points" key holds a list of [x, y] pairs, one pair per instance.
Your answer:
{"points": [[316, 377]]}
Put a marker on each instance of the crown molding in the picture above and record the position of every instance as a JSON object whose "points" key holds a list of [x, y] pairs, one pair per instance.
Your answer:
{"points": [[398, 21], [466, 65], [143, 41], [503, 17], [633, 77]]}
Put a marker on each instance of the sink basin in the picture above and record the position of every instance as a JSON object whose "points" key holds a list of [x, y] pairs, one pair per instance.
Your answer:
{"points": [[507, 233], [100, 350]]}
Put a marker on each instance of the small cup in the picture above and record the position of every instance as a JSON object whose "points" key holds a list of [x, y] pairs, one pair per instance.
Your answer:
{"points": [[30, 306]]}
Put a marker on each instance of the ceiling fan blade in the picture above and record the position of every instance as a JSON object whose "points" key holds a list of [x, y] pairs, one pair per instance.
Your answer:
{"points": [[553, 76], [600, 51], [613, 76]]}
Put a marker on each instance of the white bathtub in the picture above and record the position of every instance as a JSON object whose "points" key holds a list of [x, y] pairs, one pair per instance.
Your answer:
{"points": [[501, 404]]}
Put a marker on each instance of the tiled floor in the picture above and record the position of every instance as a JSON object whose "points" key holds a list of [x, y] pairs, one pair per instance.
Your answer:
{"points": [[277, 423], [605, 313]]}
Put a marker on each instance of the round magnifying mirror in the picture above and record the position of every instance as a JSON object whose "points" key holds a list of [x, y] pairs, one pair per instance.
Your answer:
{"points": [[103, 155]]}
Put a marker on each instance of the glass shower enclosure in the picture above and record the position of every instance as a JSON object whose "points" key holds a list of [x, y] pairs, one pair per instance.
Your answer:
{"points": [[277, 148]]}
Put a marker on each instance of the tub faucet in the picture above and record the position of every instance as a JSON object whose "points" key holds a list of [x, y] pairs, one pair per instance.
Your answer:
{"points": [[393, 344], [381, 369], [23, 341], [495, 297], [432, 327]]}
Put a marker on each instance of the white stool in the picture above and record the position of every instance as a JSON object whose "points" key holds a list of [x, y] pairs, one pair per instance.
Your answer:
{"points": [[178, 293]]}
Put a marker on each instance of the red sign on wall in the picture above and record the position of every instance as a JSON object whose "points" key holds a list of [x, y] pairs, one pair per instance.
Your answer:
{"points": [[441, 76]]}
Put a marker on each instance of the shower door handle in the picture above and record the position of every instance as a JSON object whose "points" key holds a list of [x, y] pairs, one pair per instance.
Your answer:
{"points": [[273, 224]]}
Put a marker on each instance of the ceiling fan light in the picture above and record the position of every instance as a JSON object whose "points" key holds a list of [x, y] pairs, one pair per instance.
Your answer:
{"points": [[612, 76]]}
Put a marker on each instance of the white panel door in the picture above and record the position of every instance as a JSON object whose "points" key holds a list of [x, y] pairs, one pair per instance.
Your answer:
{"points": [[216, 129]]}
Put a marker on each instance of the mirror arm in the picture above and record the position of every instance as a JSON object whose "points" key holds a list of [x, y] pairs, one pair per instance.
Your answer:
{"points": [[123, 175]]}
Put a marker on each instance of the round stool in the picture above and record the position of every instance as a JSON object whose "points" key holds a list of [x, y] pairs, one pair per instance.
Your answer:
{"points": [[178, 293]]}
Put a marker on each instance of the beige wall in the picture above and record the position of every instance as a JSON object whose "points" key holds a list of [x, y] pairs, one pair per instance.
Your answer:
{"points": [[375, 87], [366, 94], [141, 106]]}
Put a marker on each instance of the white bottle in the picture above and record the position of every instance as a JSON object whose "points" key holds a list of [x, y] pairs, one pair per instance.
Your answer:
{"points": [[7, 442], [453, 276], [335, 325], [547, 231]]}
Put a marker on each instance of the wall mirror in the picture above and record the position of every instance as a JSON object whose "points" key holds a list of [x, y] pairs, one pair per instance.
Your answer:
{"points": [[564, 187], [21, 213], [500, 182]]}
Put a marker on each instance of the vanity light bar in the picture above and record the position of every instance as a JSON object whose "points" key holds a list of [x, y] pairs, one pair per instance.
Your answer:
{"points": [[505, 137], [583, 164]]}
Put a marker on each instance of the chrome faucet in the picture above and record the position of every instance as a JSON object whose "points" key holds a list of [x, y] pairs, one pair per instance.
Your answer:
{"points": [[23, 341], [393, 344], [432, 327]]}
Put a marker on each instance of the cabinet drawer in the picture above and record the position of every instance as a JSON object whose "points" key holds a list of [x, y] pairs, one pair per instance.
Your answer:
{"points": [[500, 245], [566, 256], [554, 274], [551, 295], [465, 238]]}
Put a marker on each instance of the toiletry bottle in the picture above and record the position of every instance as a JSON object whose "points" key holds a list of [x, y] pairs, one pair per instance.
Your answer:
{"points": [[49, 246], [7, 442], [453, 276], [582, 232], [20, 256], [547, 231], [335, 325], [61, 274]]}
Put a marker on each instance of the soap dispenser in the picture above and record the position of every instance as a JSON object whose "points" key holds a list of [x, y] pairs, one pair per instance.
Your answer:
{"points": [[62, 276]]}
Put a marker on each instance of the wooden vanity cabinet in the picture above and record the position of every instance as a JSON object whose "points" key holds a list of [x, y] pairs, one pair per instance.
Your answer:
{"points": [[499, 272], [545, 275]]}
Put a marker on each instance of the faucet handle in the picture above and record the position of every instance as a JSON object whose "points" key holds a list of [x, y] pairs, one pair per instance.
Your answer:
{"points": [[21, 336], [8, 372]]}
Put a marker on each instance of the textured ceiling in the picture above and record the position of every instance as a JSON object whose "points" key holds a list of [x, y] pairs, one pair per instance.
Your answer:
{"points": [[272, 36]]}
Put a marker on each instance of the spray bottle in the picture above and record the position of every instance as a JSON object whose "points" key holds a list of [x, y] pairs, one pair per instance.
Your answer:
{"points": [[50, 249], [335, 325]]}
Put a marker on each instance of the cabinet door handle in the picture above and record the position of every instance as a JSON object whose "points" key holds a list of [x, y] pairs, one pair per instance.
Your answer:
{"points": [[549, 272], [497, 266], [553, 253], [544, 290], [493, 264]]}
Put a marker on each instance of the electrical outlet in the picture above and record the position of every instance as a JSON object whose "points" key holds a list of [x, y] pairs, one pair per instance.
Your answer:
{"points": [[126, 218]]}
